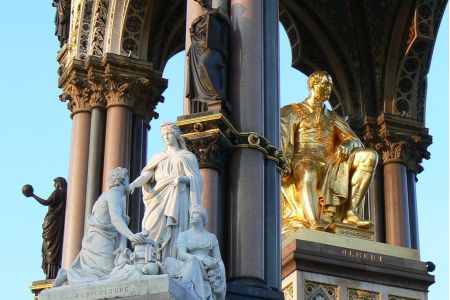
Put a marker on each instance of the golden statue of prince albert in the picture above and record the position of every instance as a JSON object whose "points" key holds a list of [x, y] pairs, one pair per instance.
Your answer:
{"points": [[329, 170]]}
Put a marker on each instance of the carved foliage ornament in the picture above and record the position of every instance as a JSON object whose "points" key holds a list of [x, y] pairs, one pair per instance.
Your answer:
{"points": [[317, 290], [356, 294], [100, 19], [411, 150]]}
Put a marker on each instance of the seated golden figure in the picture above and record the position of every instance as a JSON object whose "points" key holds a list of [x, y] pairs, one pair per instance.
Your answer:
{"points": [[329, 171]]}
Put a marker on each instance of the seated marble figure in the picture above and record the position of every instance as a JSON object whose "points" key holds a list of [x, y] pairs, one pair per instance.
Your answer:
{"points": [[199, 268], [103, 251]]}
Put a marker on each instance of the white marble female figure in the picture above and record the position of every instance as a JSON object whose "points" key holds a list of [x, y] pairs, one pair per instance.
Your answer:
{"points": [[171, 183], [199, 267]]}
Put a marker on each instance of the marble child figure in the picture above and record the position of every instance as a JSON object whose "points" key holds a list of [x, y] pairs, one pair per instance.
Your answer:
{"points": [[199, 267], [105, 228], [171, 183]]}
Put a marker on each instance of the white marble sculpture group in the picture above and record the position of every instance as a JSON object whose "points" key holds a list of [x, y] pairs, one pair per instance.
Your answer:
{"points": [[173, 240]]}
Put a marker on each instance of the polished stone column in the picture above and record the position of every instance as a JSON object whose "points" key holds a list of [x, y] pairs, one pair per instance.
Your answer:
{"points": [[396, 203], [246, 169], [95, 165], [412, 204], [135, 208], [117, 140], [272, 185], [213, 202], [376, 205], [76, 193]]}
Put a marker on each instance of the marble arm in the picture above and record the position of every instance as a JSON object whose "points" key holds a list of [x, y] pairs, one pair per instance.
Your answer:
{"points": [[115, 212], [142, 179], [183, 254]]}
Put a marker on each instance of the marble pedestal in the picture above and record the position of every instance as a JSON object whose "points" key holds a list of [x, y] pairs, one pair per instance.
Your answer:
{"points": [[319, 265], [158, 287]]}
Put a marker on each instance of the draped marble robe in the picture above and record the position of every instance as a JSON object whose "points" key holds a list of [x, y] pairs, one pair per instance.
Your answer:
{"points": [[167, 205]]}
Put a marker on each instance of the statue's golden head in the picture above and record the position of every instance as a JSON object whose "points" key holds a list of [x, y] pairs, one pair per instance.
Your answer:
{"points": [[320, 84]]}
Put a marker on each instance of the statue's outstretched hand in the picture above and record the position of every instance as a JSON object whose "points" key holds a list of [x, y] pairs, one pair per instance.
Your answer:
{"points": [[131, 188], [137, 238]]}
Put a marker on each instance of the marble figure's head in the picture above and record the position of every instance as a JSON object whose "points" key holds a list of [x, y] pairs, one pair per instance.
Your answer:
{"points": [[175, 130], [198, 210], [118, 176], [321, 84]]}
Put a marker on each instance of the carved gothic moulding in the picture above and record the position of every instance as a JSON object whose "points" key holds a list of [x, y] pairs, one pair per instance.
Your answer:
{"points": [[195, 125], [411, 79], [133, 27], [357, 294], [318, 290]]}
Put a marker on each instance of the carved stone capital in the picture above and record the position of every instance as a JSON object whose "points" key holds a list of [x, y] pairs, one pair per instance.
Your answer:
{"points": [[211, 149], [75, 88], [208, 138], [96, 81], [403, 141], [133, 83]]}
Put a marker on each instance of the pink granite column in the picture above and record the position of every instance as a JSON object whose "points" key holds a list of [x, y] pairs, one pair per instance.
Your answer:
{"points": [[396, 204], [76, 194], [212, 201], [117, 140]]}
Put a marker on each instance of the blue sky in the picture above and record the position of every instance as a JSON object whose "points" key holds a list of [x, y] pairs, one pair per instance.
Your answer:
{"points": [[36, 131]]}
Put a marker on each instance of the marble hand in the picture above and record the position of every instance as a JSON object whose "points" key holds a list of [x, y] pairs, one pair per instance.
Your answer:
{"points": [[180, 179], [131, 188], [137, 238]]}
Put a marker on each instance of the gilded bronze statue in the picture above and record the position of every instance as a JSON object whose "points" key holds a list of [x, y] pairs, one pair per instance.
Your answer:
{"points": [[53, 226], [329, 170], [208, 60]]}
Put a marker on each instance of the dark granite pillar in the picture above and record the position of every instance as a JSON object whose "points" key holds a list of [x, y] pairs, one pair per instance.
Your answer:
{"points": [[95, 165], [272, 185], [396, 204], [135, 211], [412, 203], [252, 30]]}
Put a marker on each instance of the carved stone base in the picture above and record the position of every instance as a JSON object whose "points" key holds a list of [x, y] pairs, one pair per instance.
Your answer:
{"points": [[353, 231], [150, 287], [320, 265]]}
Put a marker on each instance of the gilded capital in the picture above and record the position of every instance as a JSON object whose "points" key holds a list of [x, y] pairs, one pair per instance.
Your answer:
{"points": [[211, 150]]}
